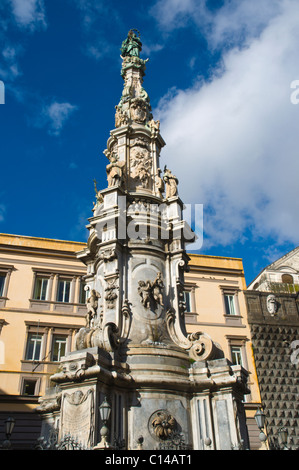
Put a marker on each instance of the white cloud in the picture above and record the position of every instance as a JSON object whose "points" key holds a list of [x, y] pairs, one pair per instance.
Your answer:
{"points": [[9, 69], [29, 13], [234, 139], [54, 117], [234, 21]]}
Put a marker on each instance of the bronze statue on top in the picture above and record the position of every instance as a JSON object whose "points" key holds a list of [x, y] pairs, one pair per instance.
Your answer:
{"points": [[131, 46]]}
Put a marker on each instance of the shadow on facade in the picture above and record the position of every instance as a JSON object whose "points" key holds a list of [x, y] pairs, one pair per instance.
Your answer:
{"points": [[27, 422]]}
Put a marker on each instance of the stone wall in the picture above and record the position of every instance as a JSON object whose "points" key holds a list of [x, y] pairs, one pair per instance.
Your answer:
{"points": [[275, 337]]}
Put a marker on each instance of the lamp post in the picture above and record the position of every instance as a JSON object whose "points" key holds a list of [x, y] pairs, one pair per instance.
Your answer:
{"points": [[283, 437], [260, 418], [282, 432], [9, 425], [105, 410]]}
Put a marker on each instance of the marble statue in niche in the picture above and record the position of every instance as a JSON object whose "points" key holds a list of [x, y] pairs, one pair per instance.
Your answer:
{"points": [[115, 171], [171, 182], [92, 304]]}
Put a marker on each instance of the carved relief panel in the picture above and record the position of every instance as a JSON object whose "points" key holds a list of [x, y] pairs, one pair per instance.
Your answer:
{"points": [[140, 163]]}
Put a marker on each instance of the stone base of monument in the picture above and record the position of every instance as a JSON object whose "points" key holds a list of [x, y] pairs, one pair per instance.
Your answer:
{"points": [[159, 399]]}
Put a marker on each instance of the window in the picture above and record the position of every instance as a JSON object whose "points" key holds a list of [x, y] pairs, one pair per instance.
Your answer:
{"points": [[29, 387], [187, 299], [229, 302], [287, 279], [40, 288], [236, 355], [63, 292], [33, 349], [58, 348], [2, 283]]}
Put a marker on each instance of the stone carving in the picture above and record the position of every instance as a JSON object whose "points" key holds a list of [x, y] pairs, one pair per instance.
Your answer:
{"points": [[163, 424], [154, 127], [105, 336], [135, 62], [115, 171], [171, 183], [50, 404], [144, 290], [99, 196], [111, 295], [158, 287], [121, 118], [199, 345], [159, 183], [126, 320], [151, 292], [143, 94], [141, 164], [272, 304], [108, 255], [138, 110], [92, 307]]}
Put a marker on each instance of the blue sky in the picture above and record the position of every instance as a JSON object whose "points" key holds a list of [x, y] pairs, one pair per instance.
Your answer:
{"points": [[219, 79]]}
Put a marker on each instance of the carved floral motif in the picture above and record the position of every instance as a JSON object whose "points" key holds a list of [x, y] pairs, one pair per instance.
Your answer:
{"points": [[163, 424]]}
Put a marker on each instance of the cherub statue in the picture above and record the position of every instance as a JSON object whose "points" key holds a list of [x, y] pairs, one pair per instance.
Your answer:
{"points": [[151, 292], [158, 287], [144, 291]]}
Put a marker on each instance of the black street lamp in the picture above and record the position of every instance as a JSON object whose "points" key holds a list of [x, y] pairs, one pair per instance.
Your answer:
{"points": [[283, 437], [260, 418], [9, 425]]}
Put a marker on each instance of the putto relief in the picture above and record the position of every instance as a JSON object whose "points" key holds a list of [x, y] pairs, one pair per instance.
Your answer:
{"points": [[151, 292]]}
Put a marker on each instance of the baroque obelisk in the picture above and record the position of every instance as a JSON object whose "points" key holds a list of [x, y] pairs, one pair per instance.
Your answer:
{"points": [[165, 388]]}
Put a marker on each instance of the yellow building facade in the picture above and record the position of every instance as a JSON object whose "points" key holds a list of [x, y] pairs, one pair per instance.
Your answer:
{"points": [[215, 302], [42, 306]]}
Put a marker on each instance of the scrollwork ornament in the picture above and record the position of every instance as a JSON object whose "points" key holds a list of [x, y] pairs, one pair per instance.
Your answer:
{"points": [[111, 294], [202, 347]]}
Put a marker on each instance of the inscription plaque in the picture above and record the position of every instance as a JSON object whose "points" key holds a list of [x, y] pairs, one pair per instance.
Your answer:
{"points": [[78, 412]]}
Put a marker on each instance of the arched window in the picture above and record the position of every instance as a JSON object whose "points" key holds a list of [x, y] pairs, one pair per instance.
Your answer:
{"points": [[287, 279]]}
